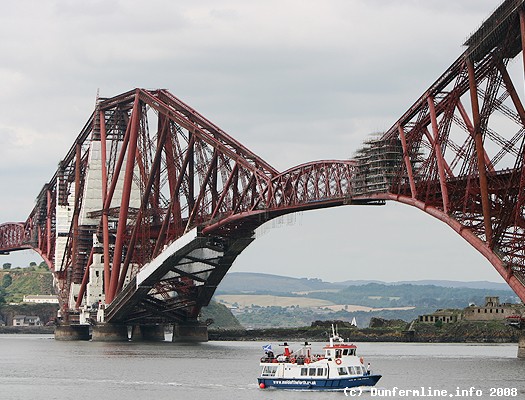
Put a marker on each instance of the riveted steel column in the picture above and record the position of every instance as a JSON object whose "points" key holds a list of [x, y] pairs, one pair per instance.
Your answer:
{"points": [[124, 204], [77, 273], [48, 224], [105, 223], [485, 204], [439, 154], [522, 30], [408, 164]]}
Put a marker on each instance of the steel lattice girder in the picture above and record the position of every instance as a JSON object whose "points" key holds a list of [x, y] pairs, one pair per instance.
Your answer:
{"points": [[445, 155]]}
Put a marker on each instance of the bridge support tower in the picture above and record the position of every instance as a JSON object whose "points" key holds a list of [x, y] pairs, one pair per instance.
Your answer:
{"points": [[147, 333], [190, 331], [72, 332], [106, 332], [521, 344]]}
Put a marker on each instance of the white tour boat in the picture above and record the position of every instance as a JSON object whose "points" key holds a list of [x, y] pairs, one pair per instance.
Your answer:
{"points": [[338, 368]]}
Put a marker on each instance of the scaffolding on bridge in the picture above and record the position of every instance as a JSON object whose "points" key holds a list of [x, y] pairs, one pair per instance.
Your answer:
{"points": [[378, 164]]}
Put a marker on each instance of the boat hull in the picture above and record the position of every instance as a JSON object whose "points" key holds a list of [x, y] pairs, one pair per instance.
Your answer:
{"points": [[319, 384]]}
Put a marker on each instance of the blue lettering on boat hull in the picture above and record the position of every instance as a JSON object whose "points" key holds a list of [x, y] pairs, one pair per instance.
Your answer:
{"points": [[320, 384]]}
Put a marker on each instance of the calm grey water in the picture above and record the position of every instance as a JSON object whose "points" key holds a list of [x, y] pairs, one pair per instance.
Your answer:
{"points": [[38, 367]]}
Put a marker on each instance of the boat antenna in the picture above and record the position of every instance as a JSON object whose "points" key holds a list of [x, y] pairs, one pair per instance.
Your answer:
{"points": [[335, 334]]}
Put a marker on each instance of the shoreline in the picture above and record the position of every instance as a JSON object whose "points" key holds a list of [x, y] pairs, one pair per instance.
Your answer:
{"points": [[461, 333], [32, 330], [478, 333]]}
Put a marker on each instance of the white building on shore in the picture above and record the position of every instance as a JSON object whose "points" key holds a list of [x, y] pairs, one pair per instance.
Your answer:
{"points": [[26, 320], [41, 298]]}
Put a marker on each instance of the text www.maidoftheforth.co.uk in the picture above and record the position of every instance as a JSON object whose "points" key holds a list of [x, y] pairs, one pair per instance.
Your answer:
{"points": [[431, 392]]}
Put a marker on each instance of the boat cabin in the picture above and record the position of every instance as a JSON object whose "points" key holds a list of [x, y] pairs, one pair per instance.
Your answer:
{"points": [[335, 351]]}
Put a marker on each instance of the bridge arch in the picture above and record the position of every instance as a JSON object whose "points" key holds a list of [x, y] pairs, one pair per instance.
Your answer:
{"points": [[362, 243], [16, 236], [470, 237]]}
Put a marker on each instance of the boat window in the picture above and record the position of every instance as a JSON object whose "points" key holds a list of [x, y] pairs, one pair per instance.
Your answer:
{"points": [[304, 371], [311, 372], [338, 354], [360, 370], [352, 352], [352, 370], [269, 370], [345, 352], [342, 371], [320, 371]]}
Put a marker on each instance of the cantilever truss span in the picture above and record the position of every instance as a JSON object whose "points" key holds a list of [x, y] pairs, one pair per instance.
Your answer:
{"points": [[461, 146], [145, 170], [163, 201]]}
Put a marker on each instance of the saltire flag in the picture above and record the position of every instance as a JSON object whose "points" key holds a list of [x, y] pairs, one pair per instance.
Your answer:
{"points": [[267, 348]]}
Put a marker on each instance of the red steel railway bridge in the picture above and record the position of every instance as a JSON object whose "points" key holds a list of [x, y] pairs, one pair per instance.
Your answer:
{"points": [[153, 202]]}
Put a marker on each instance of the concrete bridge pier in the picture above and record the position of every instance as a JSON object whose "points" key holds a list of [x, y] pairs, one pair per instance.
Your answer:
{"points": [[147, 333], [190, 331], [106, 332], [72, 332], [521, 344]]}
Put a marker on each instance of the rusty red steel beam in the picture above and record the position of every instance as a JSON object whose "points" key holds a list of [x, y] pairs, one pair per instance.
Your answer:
{"points": [[144, 201], [521, 198], [188, 118], [227, 139], [174, 193], [202, 191], [124, 205], [76, 211], [105, 220], [13, 237], [229, 183], [470, 129], [117, 168], [439, 154], [480, 152], [408, 163], [85, 280], [290, 201]]}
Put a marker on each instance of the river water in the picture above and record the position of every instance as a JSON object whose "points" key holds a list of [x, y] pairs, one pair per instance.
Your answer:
{"points": [[38, 367]]}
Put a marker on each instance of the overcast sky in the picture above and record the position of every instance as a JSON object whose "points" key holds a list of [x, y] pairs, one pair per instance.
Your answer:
{"points": [[294, 81]]}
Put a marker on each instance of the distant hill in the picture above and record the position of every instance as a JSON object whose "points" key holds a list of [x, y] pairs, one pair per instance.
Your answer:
{"points": [[378, 295], [249, 282], [273, 300], [441, 283], [221, 316], [15, 283]]}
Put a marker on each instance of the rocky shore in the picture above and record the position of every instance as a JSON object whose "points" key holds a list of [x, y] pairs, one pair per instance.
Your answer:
{"points": [[461, 332], [391, 331], [43, 330]]}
